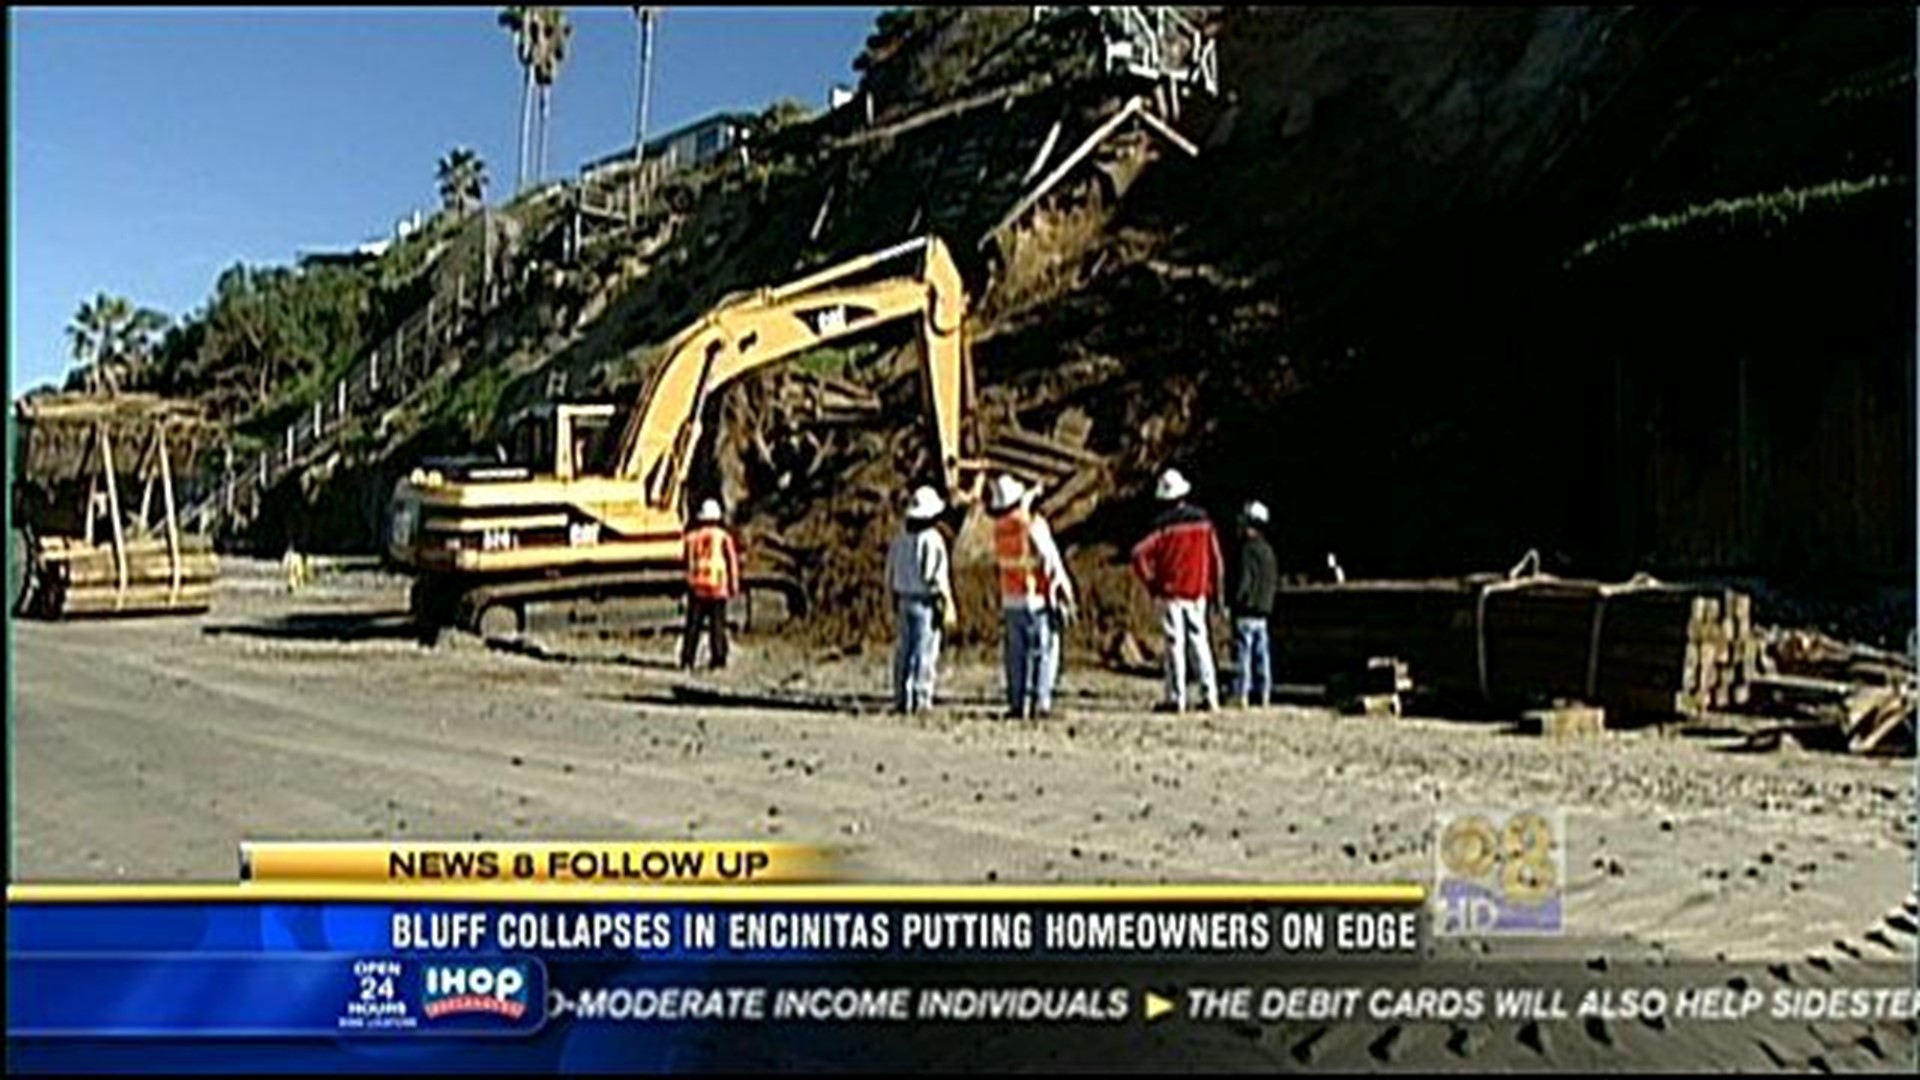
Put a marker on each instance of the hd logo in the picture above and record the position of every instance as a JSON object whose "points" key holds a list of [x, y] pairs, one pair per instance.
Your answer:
{"points": [[499, 989]]}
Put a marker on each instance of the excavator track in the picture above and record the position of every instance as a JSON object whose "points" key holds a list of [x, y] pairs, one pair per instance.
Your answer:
{"points": [[501, 609]]}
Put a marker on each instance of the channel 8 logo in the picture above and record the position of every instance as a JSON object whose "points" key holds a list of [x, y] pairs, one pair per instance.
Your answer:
{"points": [[1500, 872]]}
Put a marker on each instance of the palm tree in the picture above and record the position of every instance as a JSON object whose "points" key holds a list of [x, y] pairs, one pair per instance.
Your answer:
{"points": [[112, 340], [648, 19], [550, 53], [87, 338], [463, 181], [525, 28]]}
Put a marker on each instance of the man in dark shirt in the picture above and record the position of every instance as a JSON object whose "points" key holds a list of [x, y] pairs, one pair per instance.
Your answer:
{"points": [[1256, 577]]}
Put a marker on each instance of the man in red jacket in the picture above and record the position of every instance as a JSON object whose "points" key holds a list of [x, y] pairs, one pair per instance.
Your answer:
{"points": [[1180, 564]]}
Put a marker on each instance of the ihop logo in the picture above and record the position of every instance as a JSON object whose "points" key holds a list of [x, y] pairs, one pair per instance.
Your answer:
{"points": [[497, 989]]}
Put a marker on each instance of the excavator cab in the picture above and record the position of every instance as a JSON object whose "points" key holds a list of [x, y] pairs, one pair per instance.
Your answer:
{"points": [[566, 440]]}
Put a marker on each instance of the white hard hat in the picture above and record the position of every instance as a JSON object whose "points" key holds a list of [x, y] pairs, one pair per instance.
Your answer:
{"points": [[1171, 486], [1006, 492], [1257, 512], [709, 510], [925, 503]]}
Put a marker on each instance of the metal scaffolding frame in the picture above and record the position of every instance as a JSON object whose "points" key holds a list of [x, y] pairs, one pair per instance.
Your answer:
{"points": [[1159, 44]]}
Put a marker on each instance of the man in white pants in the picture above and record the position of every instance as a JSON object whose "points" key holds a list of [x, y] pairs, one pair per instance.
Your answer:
{"points": [[1180, 564], [919, 577]]}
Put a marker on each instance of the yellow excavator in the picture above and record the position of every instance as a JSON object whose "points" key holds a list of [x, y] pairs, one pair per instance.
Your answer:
{"points": [[586, 513]]}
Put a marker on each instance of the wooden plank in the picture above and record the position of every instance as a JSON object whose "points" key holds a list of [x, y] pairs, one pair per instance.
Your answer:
{"points": [[1087, 146], [138, 600], [1009, 456], [173, 520], [99, 568], [1046, 151], [942, 112], [1047, 445], [1881, 729], [1802, 687], [113, 506], [1867, 703], [1565, 722], [1171, 134]]}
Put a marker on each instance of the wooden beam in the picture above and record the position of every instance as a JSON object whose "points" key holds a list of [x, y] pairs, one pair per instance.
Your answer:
{"points": [[93, 497], [1172, 134], [942, 112], [1046, 151], [113, 507], [173, 522], [820, 219]]}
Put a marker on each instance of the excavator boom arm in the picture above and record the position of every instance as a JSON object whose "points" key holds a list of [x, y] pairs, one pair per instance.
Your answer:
{"points": [[746, 333]]}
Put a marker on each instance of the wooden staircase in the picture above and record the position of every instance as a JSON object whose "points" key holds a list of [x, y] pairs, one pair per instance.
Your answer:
{"points": [[389, 375]]}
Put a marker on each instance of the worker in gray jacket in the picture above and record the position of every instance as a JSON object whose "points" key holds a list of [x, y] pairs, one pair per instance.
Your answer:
{"points": [[920, 579]]}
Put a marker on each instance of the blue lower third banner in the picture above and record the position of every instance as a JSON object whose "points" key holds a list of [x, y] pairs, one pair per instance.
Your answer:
{"points": [[881, 978], [1209, 979]]}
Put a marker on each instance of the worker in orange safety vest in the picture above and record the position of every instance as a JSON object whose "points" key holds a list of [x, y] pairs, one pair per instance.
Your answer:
{"points": [[1036, 597], [713, 577]]}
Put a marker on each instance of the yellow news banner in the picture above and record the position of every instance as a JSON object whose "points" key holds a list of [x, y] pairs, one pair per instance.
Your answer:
{"points": [[589, 870], [577, 862]]}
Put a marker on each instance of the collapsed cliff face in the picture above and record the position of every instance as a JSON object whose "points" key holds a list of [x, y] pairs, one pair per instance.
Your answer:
{"points": [[1630, 286], [1454, 284]]}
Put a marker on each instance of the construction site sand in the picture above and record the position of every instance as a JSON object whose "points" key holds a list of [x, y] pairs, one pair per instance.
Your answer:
{"points": [[148, 749]]}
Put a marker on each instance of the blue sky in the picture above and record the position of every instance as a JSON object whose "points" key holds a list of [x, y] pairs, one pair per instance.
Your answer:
{"points": [[150, 149]]}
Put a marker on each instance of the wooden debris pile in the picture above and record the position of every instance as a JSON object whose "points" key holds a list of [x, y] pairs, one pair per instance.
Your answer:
{"points": [[1836, 692]]}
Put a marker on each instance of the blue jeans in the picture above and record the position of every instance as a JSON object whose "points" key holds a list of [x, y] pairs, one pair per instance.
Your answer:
{"points": [[1033, 661], [916, 653], [1253, 657]]}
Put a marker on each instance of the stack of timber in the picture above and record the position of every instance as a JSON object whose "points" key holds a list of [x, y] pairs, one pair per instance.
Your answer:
{"points": [[75, 578], [1637, 648], [94, 494]]}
